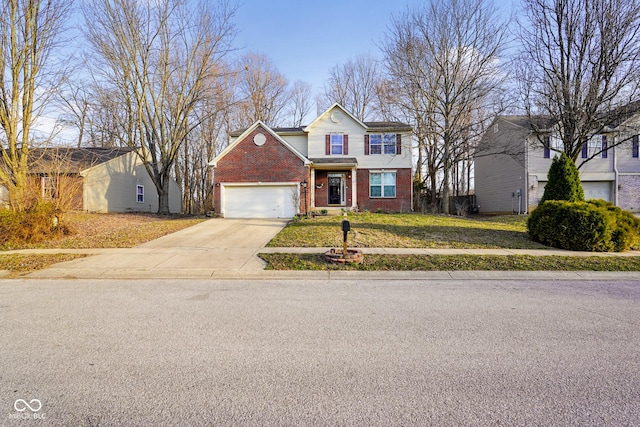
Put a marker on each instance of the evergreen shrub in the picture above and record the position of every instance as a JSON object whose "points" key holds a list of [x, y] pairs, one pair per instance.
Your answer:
{"points": [[595, 226], [564, 181]]}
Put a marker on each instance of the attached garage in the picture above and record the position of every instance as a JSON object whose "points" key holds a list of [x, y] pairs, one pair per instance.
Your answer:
{"points": [[597, 190], [259, 201]]}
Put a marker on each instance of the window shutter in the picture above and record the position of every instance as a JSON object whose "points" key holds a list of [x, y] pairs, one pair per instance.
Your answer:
{"points": [[585, 150], [604, 147], [327, 144], [635, 149], [366, 145], [547, 150], [345, 144], [398, 143]]}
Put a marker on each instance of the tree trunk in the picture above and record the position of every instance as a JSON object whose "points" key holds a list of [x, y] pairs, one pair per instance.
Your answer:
{"points": [[163, 197]]}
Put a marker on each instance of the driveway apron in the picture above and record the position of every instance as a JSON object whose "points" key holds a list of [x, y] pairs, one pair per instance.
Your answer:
{"points": [[201, 250]]}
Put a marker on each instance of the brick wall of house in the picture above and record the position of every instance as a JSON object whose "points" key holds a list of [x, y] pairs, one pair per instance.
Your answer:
{"points": [[270, 162], [402, 201], [322, 193], [629, 192]]}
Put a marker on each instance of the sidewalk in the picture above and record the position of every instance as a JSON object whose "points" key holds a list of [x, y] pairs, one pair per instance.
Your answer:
{"points": [[125, 264]]}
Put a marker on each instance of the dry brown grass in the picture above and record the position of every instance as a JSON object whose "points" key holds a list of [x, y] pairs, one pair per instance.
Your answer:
{"points": [[90, 230]]}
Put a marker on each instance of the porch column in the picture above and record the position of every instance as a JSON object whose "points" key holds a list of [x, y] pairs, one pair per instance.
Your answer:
{"points": [[312, 188], [354, 188]]}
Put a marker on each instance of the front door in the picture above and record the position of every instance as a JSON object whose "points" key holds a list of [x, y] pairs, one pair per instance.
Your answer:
{"points": [[336, 189]]}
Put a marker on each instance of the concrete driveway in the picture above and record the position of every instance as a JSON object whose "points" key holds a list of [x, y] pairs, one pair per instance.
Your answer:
{"points": [[202, 250]]}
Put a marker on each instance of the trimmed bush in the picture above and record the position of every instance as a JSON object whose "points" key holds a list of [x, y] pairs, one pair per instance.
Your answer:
{"points": [[595, 226], [564, 181]]}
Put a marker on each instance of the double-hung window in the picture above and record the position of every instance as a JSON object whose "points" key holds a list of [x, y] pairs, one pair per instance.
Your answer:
{"points": [[382, 143], [382, 184], [595, 144], [337, 144], [140, 193]]}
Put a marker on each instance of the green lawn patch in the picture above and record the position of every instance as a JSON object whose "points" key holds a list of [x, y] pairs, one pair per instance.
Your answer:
{"points": [[371, 230], [283, 261]]}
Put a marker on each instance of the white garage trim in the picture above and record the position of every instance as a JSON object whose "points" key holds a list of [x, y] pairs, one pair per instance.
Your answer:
{"points": [[259, 199]]}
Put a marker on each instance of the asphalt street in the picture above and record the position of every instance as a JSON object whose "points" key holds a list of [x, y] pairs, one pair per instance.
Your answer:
{"points": [[319, 352]]}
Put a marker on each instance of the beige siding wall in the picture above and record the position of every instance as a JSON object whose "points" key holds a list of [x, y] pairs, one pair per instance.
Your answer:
{"points": [[356, 133], [497, 181], [499, 176], [112, 186]]}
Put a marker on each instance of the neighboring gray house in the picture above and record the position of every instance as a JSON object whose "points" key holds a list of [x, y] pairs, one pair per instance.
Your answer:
{"points": [[511, 172], [97, 180]]}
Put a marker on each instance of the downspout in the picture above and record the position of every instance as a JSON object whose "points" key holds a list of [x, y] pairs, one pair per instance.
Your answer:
{"points": [[615, 174], [526, 179]]}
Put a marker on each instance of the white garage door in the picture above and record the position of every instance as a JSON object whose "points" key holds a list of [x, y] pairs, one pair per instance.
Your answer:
{"points": [[597, 190], [260, 201]]}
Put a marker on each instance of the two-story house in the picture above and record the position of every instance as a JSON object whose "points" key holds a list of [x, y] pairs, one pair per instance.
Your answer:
{"points": [[336, 162], [512, 169]]}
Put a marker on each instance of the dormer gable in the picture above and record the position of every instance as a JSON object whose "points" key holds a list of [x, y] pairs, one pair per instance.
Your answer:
{"points": [[337, 115]]}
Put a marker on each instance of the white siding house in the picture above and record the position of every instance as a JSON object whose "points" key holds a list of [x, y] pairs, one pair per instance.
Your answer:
{"points": [[512, 168]]}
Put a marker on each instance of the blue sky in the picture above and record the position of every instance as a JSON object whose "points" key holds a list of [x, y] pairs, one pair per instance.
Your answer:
{"points": [[306, 38]]}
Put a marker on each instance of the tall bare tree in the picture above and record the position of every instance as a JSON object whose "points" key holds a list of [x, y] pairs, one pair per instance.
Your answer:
{"points": [[263, 91], [443, 64], [156, 58], [300, 102], [354, 85], [29, 33], [579, 65]]}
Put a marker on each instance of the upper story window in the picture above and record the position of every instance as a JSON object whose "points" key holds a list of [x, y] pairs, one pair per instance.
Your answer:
{"points": [[634, 146], [336, 144], [552, 144], [382, 143], [596, 144]]}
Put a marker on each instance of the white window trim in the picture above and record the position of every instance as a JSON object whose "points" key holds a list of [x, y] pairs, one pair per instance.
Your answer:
{"points": [[382, 144], [395, 184], [138, 193], [331, 144]]}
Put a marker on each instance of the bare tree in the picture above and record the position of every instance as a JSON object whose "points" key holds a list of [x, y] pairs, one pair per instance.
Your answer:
{"points": [[443, 63], [264, 92], [208, 140], [301, 101], [29, 33], [579, 65], [155, 58], [354, 85]]}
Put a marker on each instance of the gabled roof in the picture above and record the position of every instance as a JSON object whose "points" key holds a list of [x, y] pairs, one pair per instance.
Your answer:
{"points": [[328, 111], [253, 127], [68, 160]]}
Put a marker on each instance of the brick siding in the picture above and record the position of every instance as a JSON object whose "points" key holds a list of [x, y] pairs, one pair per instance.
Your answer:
{"points": [[400, 203], [629, 192], [270, 162]]}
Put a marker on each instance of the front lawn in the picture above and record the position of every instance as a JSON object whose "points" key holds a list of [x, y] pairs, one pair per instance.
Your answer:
{"points": [[279, 261], [371, 230]]}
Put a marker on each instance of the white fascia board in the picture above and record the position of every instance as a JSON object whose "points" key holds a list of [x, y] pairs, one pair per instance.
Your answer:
{"points": [[328, 111]]}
